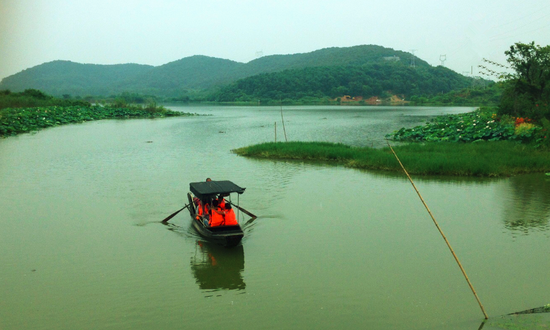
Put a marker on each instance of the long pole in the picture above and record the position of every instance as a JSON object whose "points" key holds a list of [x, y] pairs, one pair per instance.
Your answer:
{"points": [[283, 120], [441, 232], [275, 132]]}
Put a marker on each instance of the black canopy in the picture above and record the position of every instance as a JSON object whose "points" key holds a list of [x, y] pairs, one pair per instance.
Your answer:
{"points": [[208, 189]]}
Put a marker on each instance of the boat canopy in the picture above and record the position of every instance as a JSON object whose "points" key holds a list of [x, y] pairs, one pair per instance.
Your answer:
{"points": [[208, 189]]}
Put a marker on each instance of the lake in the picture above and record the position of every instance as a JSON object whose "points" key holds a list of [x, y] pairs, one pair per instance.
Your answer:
{"points": [[82, 246]]}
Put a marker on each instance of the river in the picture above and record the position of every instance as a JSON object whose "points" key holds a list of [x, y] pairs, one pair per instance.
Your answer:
{"points": [[82, 246]]}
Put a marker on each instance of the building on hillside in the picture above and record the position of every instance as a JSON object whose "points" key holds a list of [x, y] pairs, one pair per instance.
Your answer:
{"points": [[392, 58]]}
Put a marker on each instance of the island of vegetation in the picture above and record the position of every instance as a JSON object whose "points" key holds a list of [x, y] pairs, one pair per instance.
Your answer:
{"points": [[32, 110], [509, 139]]}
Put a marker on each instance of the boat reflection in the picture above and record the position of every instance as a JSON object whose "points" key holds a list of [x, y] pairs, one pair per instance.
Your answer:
{"points": [[218, 268]]}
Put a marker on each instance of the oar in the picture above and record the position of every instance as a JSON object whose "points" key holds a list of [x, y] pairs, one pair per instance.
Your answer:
{"points": [[243, 210], [174, 214]]}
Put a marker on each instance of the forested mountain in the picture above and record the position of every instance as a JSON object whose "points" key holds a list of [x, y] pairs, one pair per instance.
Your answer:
{"points": [[367, 68], [66, 77], [366, 81], [349, 56], [195, 72]]}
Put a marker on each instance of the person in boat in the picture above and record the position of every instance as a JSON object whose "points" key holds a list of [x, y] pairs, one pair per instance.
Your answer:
{"points": [[208, 179], [218, 214], [221, 201], [229, 217], [203, 209]]}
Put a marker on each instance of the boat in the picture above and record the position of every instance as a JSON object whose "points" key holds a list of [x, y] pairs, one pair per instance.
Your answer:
{"points": [[204, 192]]}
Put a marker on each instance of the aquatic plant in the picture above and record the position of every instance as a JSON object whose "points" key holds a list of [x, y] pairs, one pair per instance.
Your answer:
{"points": [[481, 124], [23, 120]]}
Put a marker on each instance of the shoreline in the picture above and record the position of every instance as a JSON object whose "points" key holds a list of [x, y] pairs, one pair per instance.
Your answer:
{"points": [[483, 159]]}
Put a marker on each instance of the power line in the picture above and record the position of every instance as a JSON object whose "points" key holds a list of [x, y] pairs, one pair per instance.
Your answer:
{"points": [[413, 58], [515, 29], [442, 58], [522, 18]]}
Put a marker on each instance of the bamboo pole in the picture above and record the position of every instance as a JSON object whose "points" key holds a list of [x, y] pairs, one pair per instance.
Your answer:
{"points": [[441, 232], [283, 120]]}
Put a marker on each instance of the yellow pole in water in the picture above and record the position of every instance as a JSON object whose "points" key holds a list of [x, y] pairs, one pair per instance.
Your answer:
{"points": [[283, 120], [441, 232]]}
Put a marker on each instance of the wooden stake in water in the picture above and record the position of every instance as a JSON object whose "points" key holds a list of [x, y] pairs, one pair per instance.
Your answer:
{"points": [[441, 232], [283, 120]]}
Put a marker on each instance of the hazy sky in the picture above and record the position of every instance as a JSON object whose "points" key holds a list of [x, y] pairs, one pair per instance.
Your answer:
{"points": [[160, 31]]}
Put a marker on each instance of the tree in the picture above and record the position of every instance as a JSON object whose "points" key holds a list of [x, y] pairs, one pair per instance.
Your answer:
{"points": [[527, 89], [35, 93]]}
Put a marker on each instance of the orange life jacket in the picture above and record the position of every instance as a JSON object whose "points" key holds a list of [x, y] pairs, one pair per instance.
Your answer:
{"points": [[217, 218], [230, 218], [203, 209]]}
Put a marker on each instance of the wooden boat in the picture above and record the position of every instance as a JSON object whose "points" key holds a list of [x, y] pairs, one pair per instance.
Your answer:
{"points": [[205, 192]]}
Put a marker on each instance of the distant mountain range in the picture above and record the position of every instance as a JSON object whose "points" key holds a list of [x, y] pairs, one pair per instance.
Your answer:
{"points": [[194, 73]]}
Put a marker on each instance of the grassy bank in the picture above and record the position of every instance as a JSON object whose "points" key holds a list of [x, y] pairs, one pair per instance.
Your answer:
{"points": [[15, 121], [486, 159]]}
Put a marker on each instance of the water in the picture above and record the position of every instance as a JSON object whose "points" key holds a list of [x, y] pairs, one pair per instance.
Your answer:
{"points": [[82, 246]]}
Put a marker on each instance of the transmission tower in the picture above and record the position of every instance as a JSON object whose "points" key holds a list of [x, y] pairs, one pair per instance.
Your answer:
{"points": [[442, 58], [413, 58]]}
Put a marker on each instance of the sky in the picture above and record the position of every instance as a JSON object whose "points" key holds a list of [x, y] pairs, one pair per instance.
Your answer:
{"points": [[462, 33]]}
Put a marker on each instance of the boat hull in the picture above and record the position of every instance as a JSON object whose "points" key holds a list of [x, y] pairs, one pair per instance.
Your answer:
{"points": [[225, 235]]}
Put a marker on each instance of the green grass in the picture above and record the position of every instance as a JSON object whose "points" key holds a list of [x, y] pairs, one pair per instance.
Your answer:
{"points": [[484, 159], [525, 322]]}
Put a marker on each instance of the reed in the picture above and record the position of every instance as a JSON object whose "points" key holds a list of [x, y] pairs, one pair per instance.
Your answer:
{"points": [[487, 159]]}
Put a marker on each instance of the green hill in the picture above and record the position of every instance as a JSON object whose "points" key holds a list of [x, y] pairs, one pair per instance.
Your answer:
{"points": [[190, 73], [335, 56], [330, 82], [66, 77], [202, 73]]}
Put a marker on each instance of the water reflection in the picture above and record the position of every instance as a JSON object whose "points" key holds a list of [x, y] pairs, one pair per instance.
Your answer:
{"points": [[218, 268], [214, 267], [458, 180], [528, 204]]}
